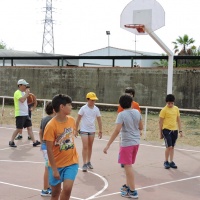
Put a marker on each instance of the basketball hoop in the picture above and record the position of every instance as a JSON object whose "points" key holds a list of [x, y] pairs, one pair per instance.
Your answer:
{"points": [[139, 27]]}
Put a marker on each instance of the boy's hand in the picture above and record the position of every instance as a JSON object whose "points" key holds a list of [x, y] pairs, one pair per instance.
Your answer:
{"points": [[181, 134], [100, 135], [56, 174], [161, 135], [76, 133], [106, 149]]}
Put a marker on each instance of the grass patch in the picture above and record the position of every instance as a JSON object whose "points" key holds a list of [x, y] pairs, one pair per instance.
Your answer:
{"points": [[190, 124]]}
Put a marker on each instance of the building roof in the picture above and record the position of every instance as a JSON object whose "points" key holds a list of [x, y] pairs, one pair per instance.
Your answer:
{"points": [[12, 53], [125, 50]]}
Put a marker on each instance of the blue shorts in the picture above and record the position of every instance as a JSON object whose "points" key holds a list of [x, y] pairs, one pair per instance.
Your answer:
{"points": [[68, 172], [45, 155]]}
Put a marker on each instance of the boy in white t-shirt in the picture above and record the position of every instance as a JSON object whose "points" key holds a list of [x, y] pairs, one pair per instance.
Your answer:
{"points": [[86, 118]]}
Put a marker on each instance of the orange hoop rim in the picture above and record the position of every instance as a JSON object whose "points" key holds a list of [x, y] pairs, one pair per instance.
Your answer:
{"points": [[139, 27]]}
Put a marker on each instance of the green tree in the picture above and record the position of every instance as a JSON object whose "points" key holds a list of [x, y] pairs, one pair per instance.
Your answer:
{"points": [[2, 45], [185, 44]]}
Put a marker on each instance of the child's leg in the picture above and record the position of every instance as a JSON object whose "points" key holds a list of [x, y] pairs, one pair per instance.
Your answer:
{"points": [[90, 144], [67, 188], [171, 154], [55, 191], [130, 179], [168, 151], [84, 139], [46, 179]]}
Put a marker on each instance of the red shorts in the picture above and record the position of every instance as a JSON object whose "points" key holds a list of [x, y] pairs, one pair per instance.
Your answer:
{"points": [[127, 155]]}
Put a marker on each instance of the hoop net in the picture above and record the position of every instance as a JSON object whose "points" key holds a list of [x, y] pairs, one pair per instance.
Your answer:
{"points": [[139, 27]]}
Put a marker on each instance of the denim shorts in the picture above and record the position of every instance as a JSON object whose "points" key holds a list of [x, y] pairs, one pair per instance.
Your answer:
{"points": [[68, 172], [83, 133]]}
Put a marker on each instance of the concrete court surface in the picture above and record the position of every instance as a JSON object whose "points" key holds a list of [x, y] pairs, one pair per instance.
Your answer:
{"points": [[21, 172]]}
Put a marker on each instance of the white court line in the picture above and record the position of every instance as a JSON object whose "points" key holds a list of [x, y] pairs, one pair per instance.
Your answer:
{"points": [[151, 186], [102, 190], [28, 188], [15, 129], [15, 161], [147, 145], [154, 146], [16, 147], [32, 162]]}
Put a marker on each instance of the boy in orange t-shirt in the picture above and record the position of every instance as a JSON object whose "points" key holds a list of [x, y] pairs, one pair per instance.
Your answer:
{"points": [[130, 91], [62, 153]]}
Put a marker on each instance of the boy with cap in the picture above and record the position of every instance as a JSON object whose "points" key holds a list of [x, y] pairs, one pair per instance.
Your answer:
{"points": [[86, 117], [21, 113]]}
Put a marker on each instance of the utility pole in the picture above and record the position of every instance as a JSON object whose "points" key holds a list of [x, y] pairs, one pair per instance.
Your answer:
{"points": [[48, 38]]}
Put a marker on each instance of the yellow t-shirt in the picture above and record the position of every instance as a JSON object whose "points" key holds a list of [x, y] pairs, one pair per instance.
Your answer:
{"points": [[170, 117], [61, 134]]}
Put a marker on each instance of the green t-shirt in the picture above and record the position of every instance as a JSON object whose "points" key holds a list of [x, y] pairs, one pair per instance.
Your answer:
{"points": [[21, 109]]}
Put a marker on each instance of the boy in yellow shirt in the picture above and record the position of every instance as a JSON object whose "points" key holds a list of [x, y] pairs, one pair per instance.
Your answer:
{"points": [[62, 153], [169, 119]]}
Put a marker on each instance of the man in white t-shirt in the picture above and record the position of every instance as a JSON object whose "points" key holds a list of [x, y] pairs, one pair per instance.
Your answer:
{"points": [[86, 117], [21, 113]]}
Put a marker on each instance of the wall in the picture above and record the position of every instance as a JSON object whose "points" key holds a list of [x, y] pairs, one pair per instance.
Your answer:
{"points": [[108, 83]]}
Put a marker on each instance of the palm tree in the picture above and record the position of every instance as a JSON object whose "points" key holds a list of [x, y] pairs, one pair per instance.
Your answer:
{"points": [[2, 45], [183, 42]]}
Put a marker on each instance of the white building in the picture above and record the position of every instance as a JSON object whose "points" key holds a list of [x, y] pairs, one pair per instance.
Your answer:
{"points": [[112, 51]]}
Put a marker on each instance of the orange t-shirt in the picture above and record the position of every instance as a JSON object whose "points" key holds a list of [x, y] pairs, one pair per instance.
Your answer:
{"points": [[134, 105], [61, 134]]}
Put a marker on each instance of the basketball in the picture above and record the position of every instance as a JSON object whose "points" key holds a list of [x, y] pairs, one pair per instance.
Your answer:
{"points": [[31, 98]]}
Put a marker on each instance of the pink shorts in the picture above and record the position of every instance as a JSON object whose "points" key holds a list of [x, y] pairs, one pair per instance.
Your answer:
{"points": [[127, 155]]}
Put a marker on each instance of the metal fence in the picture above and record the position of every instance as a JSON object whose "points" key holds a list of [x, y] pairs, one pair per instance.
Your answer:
{"points": [[145, 109]]}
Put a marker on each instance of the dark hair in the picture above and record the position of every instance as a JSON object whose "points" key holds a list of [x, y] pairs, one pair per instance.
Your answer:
{"points": [[28, 86], [170, 98], [130, 90], [125, 101], [49, 108], [60, 99]]}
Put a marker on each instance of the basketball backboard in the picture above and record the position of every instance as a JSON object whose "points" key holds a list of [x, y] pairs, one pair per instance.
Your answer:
{"points": [[143, 12]]}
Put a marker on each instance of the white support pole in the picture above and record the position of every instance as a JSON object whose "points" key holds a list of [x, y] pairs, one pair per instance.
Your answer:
{"points": [[145, 123], [170, 59]]}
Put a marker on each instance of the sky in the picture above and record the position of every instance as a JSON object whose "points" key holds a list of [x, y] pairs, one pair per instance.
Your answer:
{"points": [[80, 25]]}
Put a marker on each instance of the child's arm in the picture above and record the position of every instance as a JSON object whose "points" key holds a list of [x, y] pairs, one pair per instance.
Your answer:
{"points": [[34, 103], [140, 127], [179, 126], [160, 126], [113, 136], [100, 126], [51, 159], [40, 135], [77, 124]]}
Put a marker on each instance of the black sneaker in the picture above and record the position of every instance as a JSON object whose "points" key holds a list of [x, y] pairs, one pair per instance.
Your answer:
{"points": [[19, 137], [12, 144], [166, 165], [173, 165], [29, 137], [36, 143]]}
